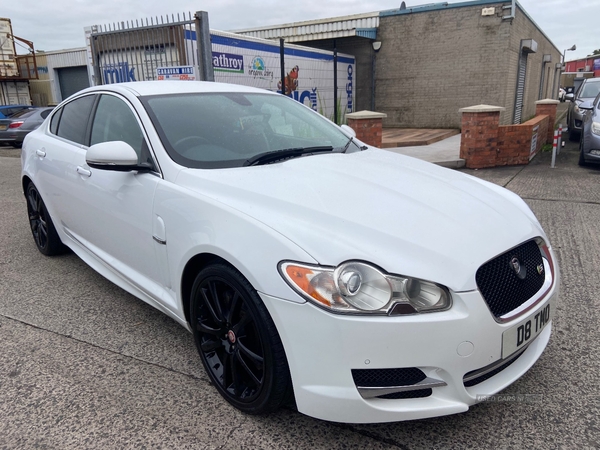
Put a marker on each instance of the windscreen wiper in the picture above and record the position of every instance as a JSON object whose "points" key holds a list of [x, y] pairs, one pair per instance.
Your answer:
{"points": [[268, 157]]}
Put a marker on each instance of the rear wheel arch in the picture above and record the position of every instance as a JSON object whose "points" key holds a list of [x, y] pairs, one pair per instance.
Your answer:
{"points": [[24, 183], [44, 233]]}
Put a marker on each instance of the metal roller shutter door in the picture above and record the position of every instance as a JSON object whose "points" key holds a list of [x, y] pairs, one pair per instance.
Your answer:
{"points": [[72, 80]]}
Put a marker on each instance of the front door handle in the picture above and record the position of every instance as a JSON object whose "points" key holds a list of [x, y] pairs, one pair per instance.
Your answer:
{"points": [[40, 152], [82, 171]]}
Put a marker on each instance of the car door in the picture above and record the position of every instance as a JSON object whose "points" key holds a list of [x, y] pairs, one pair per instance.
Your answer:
{"points": [[114, 208], [53, 158]]}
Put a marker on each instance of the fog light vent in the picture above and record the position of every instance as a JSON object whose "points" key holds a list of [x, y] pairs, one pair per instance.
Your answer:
{"points": [[387, 377], [407, 382]]}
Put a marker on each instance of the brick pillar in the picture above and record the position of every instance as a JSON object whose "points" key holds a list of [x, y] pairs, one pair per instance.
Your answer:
{"points": [[548, 108], [479, 135], [368, 126]]}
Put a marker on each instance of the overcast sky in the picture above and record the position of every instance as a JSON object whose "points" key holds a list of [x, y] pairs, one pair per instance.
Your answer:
{"points": [[58, 24]]}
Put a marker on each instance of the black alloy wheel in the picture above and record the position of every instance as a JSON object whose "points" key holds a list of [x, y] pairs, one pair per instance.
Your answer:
{"points": [[238, 342], [44, 234]]}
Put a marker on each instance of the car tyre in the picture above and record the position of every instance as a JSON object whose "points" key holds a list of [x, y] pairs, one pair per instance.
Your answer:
{"points": [[581, 158], [573, 135], [44, 234], [238, 342]]}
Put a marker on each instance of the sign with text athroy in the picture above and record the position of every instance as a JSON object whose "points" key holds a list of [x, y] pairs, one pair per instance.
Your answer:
{"points": [[308, 72], [534, 140], [187, 73]]}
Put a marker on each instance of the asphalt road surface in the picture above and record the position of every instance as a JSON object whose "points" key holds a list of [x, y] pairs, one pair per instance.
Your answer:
{"points": [[84, 365]]}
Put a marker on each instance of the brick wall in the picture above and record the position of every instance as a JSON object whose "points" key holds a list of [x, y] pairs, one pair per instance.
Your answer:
{"points": [[550, 110], [479, 140], [369, 131], [433, 63], [524, 28], [486, 144], [515, 141]]}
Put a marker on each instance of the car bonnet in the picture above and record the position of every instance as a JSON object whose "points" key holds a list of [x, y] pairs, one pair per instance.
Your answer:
{"points": [[407, 216]]}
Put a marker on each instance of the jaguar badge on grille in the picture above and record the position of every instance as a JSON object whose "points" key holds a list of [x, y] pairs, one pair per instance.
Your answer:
{"points": [[520, 270]]}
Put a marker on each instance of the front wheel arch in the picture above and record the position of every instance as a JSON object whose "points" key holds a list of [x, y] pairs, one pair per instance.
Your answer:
{"points": [[193, 268]]}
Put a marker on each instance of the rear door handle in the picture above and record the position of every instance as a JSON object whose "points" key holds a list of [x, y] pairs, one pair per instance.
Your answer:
{"points": [[40, 152], [82, 171]]}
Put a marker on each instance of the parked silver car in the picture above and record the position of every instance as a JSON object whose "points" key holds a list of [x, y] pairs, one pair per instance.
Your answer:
{"points": [[14, 129], [589, 144], [586, 92]]}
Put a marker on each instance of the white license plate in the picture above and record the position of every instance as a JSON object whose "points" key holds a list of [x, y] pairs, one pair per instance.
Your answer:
{"points": [[521, 334], [3, 127]]}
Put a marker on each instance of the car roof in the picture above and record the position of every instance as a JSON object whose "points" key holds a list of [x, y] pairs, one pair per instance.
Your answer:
{"points": [[143, 88]]}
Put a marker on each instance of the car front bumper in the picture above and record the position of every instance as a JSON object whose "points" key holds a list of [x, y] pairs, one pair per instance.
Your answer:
{"points": [[323, 348], [576, 120], [591, 146]]}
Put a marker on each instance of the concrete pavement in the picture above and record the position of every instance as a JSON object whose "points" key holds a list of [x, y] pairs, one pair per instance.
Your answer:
{"points": [[444, 153], [83, 364]]}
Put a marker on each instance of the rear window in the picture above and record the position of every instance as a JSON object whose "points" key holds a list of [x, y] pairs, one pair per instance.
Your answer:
{"points": [[74, 119], [10, 111], [23, 113]]}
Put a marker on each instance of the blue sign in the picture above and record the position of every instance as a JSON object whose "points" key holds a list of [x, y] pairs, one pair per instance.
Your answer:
{"points": [[179, 70], [228, 62], [118, 73]]}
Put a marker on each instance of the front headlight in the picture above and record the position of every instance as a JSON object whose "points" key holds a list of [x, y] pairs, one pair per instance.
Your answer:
{"points": [[596, 128], [356, 287], [577, 110]]}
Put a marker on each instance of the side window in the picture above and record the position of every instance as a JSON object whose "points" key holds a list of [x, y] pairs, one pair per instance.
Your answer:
{"points": [[74, 119], [54, 122], [114, 121], [44, 114]]}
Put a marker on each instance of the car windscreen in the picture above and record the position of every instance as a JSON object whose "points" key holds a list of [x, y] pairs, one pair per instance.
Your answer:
{"points": [[218, 130], [590, 90]]}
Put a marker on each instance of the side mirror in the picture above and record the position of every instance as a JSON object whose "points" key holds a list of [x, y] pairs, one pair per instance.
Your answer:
{"points": [[570, 97], [587, 106], [113, 155], [349, 131]]}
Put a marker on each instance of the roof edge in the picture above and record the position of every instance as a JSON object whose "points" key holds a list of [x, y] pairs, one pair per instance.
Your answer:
{"points": [[310, 22]]}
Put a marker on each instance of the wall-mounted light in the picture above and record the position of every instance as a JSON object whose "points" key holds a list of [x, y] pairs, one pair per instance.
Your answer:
{"points": [[376, 46]]}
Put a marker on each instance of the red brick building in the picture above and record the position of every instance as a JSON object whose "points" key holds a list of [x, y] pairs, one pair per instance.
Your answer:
{"points": [[590, 64]]}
